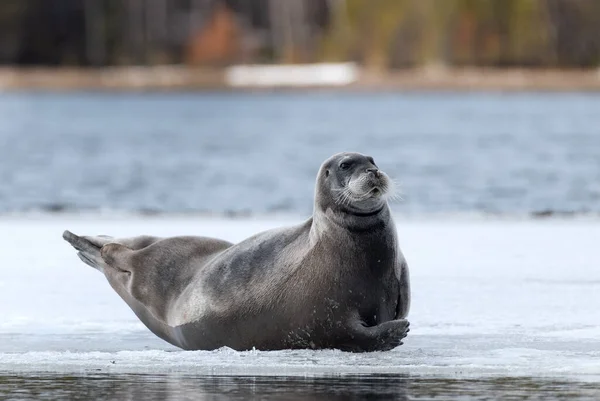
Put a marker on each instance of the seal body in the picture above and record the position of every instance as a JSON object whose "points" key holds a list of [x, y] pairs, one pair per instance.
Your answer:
{"points": [[338, 280]]}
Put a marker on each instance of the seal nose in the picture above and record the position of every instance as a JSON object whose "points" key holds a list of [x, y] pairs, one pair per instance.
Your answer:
{"points": [[373, 171]]}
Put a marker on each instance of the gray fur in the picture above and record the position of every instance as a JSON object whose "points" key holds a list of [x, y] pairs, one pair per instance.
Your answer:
{"points": [[338, 280]]}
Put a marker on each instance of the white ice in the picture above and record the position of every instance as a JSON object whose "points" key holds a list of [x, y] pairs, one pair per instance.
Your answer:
{"points": [[490, 297]]}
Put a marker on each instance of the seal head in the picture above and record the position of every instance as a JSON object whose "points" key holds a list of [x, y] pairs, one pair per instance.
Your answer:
{"points": [[351, 183]]}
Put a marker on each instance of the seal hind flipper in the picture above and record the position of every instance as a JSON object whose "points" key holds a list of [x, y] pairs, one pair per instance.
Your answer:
{"points": [[79, 243], [89, 252]]}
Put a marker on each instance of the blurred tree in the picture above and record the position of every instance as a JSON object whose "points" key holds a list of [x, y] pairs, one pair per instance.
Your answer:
{"points": [[51, 33], [364, 30], [217, 41], [380, 34], [575, 31], [11, 12]]}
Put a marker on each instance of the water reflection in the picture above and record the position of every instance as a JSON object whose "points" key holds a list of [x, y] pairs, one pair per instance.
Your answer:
{"points": [[176, 387], [101, 386]]}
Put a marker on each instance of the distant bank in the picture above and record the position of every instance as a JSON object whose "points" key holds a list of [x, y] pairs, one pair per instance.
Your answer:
{"points": [[297, 77]]}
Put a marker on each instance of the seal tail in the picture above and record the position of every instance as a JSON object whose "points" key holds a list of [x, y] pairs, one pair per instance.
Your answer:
{"points": [[89, 253]]}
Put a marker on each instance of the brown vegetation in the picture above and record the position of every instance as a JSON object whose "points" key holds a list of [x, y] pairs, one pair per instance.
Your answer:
{"points": [[217, 42]]}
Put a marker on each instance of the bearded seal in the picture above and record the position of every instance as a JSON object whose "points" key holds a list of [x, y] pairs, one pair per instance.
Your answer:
{"points": [[338, 280]]}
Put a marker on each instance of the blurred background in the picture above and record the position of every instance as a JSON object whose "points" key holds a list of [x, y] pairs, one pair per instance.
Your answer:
{"points": [[229, 106], [379, 34]]}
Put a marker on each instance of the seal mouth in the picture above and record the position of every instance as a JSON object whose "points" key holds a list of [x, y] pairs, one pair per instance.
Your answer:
{"points": [[370, 192], [365, 188], [376, 192], [375, 189], [374, 185]]}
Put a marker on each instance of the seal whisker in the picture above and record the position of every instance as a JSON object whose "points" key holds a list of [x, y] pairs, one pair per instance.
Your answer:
{"points": [[394, 192], [348, 196], [342, 197]]}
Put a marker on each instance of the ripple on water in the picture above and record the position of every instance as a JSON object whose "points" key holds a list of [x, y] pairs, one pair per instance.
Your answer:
{"points": [[94, 386]]}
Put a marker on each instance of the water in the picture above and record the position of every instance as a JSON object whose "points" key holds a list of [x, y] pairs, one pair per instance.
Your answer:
{"points": [[94, 386], [259, 153]]}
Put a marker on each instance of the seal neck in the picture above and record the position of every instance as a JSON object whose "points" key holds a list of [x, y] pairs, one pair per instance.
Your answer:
{"points": [[327, 222]]}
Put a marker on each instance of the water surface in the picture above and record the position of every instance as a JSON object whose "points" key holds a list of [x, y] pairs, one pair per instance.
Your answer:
{"points": [[99, 386], [260, 153]]}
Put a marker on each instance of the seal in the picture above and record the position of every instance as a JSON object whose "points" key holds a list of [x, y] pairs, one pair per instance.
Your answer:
{"points": [[338, 280]]}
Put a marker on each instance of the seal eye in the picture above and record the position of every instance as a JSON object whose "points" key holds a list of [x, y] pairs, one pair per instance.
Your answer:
{"points": [[345, 166]]}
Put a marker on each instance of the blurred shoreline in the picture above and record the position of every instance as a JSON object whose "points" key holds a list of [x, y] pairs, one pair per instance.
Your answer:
{"points": [[177, 78]]}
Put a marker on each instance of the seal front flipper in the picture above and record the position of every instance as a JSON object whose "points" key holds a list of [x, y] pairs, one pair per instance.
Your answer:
{"points": [[383, 337], [389, 335]]}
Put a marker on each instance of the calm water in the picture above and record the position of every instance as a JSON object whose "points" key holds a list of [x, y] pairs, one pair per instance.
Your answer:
{"points": [[257, 153], [95, 386]]}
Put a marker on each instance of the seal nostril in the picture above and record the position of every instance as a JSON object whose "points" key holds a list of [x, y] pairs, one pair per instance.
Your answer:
{"points": [[373, 171]]}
